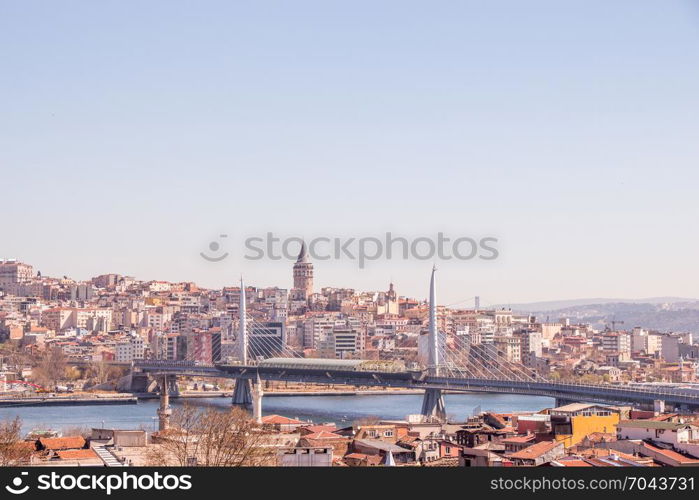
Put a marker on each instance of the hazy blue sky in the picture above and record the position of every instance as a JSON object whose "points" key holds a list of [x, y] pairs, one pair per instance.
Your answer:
{"points": [[133, 133]]}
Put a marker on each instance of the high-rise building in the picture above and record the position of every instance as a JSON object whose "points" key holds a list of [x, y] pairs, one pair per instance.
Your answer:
{"points": [[617, 342], [12, 271], [128, 351], [267, 340]]}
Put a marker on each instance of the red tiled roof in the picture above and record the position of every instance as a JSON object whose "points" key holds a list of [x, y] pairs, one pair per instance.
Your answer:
{"points": [[63, 443], [278, 419], [370, 459], [323, 435], [672, 455], [573, 462], [319, 428], [535, 450], [519, 439], [601, 437], [597, 462], [76, 454], [663, 418]]}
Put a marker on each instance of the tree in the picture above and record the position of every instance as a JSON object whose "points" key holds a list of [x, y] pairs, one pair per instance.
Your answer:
{"points": [[85, 432], [13, 451], [211, 438], [12, 356], [51, 367], [102, 373]]}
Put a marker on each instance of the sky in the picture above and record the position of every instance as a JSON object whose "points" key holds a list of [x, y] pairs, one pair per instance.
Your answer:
{"points": [[133, 134]]}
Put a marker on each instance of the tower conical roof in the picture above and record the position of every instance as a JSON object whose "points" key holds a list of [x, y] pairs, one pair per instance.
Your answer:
{"points": [[303, 254]]}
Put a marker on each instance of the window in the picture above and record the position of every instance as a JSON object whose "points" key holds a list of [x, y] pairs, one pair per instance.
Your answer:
{"points": [[388, 433]]}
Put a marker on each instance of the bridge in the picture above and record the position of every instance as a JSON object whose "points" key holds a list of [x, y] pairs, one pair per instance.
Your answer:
{"points": [[452, 365]]}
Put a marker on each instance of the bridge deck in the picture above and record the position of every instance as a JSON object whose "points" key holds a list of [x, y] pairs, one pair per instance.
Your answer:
{"points": [[420, 380]]}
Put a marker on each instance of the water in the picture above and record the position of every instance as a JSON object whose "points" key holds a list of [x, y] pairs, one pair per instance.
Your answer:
{"points": [[342, 410]]}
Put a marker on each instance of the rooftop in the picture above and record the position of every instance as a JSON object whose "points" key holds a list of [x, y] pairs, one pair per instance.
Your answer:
{"points": [[381, 445], [279, 419], [76, 454], [571, 462], [62, 443], [652, 424], [672, 455], [574, 407], [323, 435], [519, 439], [535, 450]]}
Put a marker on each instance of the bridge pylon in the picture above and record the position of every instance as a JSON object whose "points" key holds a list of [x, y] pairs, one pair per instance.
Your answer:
{"points": [[433, 405], [242, 326], [242, 392], [433, 400]]}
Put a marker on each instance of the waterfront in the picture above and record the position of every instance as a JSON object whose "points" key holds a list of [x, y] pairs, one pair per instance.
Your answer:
{"points": [[342, 410]]}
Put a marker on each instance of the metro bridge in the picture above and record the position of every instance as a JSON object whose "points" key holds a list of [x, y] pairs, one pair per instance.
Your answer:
{"points": [[346, 372], [457, 367]]}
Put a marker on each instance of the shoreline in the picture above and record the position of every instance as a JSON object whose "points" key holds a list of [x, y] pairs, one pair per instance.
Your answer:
{"points": [[226, 394], [65, 401]]}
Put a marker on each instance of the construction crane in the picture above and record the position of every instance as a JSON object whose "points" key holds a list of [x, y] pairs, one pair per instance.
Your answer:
{"points": [[615, 322]]}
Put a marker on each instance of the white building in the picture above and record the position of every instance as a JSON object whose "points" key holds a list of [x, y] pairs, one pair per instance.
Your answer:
{"points": [[617, 342], [665, 432], [131, 350], [671, 348]]}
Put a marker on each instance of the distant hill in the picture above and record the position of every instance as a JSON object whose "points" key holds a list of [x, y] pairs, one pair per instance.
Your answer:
{"points": [[665, 314], [553, 305]]}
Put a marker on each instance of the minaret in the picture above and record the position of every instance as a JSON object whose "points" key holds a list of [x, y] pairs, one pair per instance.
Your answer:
{"points": [[242, 326], [303, 273], [433, 359], [257, 394], [164, 411]]}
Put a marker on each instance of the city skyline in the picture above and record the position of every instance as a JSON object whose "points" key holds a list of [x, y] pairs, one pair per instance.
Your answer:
{"points": [[288, 284], [241, 234]]}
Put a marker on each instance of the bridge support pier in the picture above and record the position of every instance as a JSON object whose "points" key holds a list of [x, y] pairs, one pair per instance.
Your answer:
{"points": [[433, 405], [242, 393], [563, 402], [165, 411]]}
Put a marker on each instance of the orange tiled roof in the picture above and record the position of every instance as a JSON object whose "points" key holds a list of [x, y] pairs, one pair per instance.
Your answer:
{"points": [[673, 455], [319, 428], [278, 419], [76, 454], [63, 443], [535, 450], [573, 462], [519, 439], [323, 435]]}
